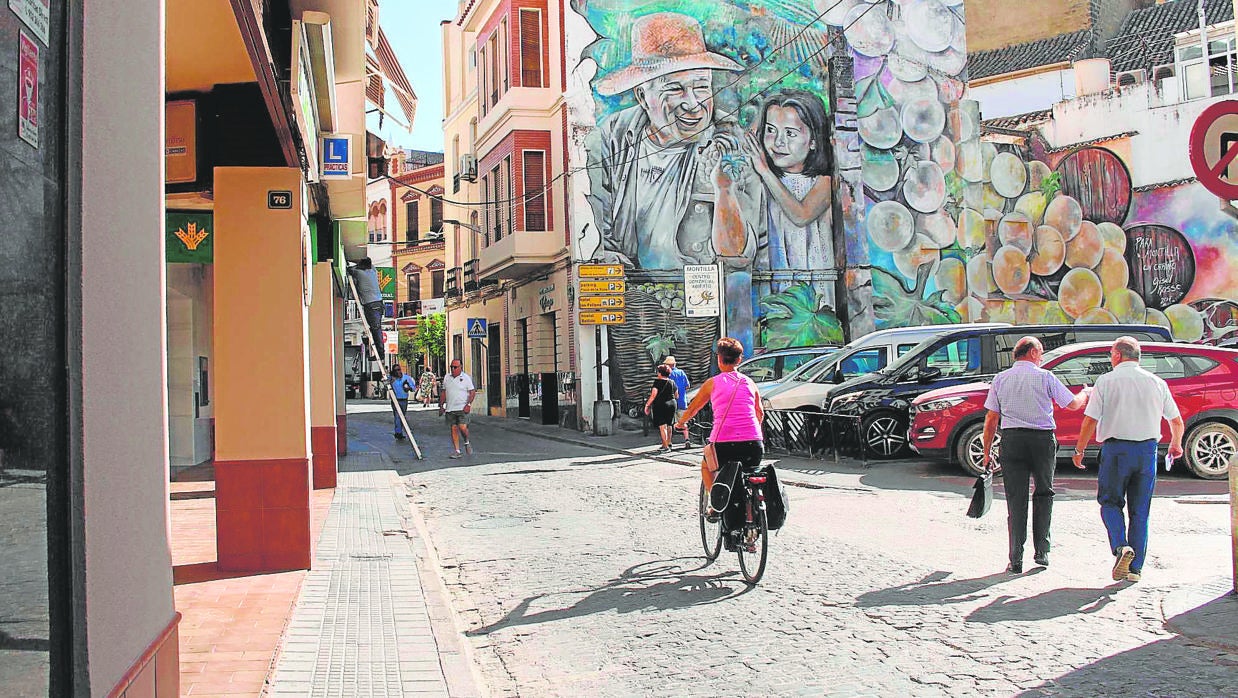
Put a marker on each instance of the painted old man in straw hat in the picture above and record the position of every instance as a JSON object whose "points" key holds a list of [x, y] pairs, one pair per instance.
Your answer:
{"points": [[668, 185]]}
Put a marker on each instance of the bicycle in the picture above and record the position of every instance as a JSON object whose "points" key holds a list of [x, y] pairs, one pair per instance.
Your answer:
{"points": [[752, 537]]}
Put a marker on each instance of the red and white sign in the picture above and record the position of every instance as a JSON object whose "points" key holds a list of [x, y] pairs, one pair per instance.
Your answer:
{"points": [[27, 89], [1213, 148]]}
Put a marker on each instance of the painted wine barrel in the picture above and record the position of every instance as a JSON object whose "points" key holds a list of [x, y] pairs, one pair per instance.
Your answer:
{"points": [[1099, 181]]}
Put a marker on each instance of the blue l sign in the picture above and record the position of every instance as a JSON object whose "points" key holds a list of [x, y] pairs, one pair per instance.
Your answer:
{"points": [[336, 157], [477, 328]]}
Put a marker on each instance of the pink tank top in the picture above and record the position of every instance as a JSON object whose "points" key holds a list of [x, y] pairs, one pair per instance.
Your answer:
{"points": [[734, 420]]}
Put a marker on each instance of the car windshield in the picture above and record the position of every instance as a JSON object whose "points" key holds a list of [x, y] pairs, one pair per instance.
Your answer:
{"points": [[807, 371], [912, 356]]}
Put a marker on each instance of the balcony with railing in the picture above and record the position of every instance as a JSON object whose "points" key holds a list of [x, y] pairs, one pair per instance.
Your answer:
{"points": [[470, 276], [451, 288], [516, 253]]}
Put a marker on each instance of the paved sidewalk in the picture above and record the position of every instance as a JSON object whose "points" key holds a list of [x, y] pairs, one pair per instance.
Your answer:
{"points": [[231, 622], [372, 618], [1207, 613]]}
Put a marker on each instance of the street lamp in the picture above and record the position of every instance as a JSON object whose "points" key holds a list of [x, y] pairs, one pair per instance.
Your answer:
{"points": [[467, 226]]}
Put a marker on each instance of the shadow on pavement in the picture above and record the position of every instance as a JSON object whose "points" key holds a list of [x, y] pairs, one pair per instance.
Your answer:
{"points": [[933, 590], [1045, 606], [658, 585], [1172, 667]]}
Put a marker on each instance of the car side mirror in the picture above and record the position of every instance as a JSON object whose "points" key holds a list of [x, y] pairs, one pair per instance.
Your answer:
{"points": [[838, 376], [928, 375]]}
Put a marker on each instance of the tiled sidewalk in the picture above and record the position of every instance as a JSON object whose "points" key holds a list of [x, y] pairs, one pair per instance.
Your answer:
{"points": [[365, 623], [231, 625]]}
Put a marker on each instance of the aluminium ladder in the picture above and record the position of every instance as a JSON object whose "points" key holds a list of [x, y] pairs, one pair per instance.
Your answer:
{"points": [[395, 405]]}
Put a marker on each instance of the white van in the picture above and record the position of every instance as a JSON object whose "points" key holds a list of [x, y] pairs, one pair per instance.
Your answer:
{"points": [[806, 388]]}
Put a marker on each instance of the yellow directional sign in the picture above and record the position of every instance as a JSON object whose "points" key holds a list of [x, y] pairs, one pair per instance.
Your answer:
{"points": [[602, 270], [602, 318], [612, 302], [603, 286]]}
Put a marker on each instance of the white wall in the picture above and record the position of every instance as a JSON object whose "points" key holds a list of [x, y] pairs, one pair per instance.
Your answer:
{"points": [[1023, 95], [123, 372], [1158, 152]]}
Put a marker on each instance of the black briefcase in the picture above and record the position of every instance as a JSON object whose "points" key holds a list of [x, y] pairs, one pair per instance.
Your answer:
{"points": [[982, 498]]}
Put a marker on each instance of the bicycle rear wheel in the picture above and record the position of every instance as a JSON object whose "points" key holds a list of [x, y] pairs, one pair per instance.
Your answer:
{"points": [[753, 548], [711, 533]]}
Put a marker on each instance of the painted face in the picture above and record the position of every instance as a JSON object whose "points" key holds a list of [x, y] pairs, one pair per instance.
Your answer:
{"points": [[786, 138], [680, 105]]}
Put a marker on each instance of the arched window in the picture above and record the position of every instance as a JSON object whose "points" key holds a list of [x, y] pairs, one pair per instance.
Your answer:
{"points": [[380, 231]]}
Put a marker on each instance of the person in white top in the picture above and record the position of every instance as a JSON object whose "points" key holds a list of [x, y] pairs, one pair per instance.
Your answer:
{"points": [[455, 399], [1125, 412]]}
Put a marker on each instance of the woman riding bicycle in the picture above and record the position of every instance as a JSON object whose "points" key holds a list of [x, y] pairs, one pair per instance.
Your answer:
{"points": [[736, 433]]}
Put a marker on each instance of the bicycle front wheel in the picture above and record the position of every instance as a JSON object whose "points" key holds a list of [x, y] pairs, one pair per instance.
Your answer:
{"points": [[711, 532], [753, 547]]}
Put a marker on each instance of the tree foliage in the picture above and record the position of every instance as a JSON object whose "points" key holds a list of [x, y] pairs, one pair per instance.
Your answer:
{"points": [[430, 339]]}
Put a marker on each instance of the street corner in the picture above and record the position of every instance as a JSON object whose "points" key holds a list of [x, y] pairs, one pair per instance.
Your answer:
{"points": [[1205, 612]]}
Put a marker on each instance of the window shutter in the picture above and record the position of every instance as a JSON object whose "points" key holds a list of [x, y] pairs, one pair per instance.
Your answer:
{"points": [[411, 230], [530, 48], [535, 198], [436, 215]]}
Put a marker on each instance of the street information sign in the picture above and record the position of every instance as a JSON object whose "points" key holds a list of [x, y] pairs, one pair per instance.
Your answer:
{"points": [[602, 318], [702, 290], [1213, 146], [607, 302], [601, 270], [603, 286]]}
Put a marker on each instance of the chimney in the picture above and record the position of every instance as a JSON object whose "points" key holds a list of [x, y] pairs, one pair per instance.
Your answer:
{"points": [[1091, 76]]}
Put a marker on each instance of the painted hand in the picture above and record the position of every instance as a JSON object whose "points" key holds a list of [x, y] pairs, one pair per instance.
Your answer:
{"points": [[755, 153]]}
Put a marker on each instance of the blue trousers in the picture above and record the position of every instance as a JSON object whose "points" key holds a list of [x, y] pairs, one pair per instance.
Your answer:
{"points": [[403, 408], [1127, 479]]}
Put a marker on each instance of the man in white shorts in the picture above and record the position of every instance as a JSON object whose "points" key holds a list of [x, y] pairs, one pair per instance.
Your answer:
{"points": [[455, 399]]}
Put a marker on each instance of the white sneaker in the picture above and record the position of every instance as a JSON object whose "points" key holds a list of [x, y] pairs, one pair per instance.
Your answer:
{"points": [[1122, 567], [454, 454], [468, 448]]}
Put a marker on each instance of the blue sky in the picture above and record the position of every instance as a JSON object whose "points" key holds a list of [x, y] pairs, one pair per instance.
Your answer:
{"points": [[413, 28]]}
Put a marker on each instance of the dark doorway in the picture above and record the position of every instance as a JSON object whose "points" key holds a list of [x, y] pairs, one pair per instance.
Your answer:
{"points": [[494, 366]]}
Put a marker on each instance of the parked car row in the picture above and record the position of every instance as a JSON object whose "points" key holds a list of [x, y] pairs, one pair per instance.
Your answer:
{"points": [[877, 406], [948, 421]]}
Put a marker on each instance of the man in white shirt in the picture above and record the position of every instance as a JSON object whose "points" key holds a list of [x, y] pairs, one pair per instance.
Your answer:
{"points": [[455, 398], [1125, 412]]}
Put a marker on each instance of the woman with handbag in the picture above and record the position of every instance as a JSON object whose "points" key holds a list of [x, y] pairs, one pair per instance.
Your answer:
{"points": [[735, 442], [661, 404]]}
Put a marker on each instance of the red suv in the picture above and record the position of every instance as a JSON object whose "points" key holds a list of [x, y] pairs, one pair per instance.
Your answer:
{"points": [[947, 423]]}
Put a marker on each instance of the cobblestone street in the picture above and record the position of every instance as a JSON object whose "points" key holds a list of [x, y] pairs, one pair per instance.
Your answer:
{"points": [[580, 572]]}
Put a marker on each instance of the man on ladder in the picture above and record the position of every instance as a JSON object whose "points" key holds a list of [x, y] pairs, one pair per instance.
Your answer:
{"points": [[370, 296]]}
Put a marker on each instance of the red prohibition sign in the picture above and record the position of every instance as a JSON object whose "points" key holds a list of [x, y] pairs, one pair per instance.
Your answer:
{"points": [[1213, 147]]}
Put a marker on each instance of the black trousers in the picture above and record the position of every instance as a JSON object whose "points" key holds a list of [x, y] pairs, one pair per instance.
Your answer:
{"points": [[1028, 455], [374, 318], [733, 458]]}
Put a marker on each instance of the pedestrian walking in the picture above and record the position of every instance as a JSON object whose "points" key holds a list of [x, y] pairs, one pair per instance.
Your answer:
{"points": [[401, 384], [661, 404], [371, 299], [1021, 399], [736, 435], [680, 379], [455, 399], [1125, 413], [425, 387]]}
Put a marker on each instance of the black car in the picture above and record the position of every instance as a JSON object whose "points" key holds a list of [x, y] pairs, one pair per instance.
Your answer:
{"points": [[876, 407]]}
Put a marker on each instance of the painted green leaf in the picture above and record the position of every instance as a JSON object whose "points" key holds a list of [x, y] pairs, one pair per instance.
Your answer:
{"points": [[871, 95], [793, 319], [896, 306], [659, 346], [1051, 185]]}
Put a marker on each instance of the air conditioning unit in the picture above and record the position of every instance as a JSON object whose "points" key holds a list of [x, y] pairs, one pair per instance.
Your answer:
{"points": [[1128, 78], [468, 168]]}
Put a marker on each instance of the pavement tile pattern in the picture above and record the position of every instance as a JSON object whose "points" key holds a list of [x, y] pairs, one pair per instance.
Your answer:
{"points": [[361, 625], [580, 573]]}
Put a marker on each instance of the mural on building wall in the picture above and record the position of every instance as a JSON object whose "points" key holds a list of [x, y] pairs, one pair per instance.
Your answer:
{"points": [[708, 138], [710, 143]]}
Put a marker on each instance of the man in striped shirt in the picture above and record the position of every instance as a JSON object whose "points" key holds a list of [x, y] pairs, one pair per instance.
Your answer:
{"points": [[1021, 399]]}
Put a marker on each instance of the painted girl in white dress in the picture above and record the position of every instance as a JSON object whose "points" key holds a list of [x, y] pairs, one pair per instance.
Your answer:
{"points": [[790, 150]]}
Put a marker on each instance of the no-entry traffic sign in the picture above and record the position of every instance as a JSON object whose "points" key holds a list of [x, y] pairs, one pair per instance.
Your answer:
{"points": [[1213, 148]]}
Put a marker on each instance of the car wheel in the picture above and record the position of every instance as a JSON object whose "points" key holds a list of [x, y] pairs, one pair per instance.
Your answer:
{"points": [[885, 435], [1209, 449], [969, 449]]}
